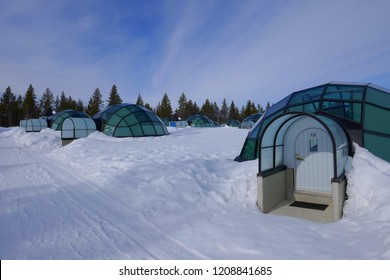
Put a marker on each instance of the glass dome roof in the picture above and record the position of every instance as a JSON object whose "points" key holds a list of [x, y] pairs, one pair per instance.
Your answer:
{"points": [[360, 108], [57, 119], [129, 120], [200, 121], [250, 121]]}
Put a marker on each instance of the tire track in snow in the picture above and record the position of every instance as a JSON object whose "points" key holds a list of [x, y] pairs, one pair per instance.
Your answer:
{"points": [[103, 209]]}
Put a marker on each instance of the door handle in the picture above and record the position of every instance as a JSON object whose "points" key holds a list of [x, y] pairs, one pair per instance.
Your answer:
{"points": [[298, 157]]}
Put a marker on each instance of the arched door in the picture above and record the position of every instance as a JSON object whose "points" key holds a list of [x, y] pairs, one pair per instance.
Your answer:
{"points": [[313, 161]]}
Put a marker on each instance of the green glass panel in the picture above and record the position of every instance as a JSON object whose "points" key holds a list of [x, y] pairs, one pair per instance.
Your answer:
{"points": [[160, 129], [134, 109], [137, 130], [344, 92], [357, 112], [122, 132], [153, 116], [123, 112], [306, 96], [122, 123], [376, 119], [114, 120], [348, 110], [378, 97], [378, 145], [108, 130], [309, 107], [142, 117], [249, 150], [131, 119], [148, 129]]}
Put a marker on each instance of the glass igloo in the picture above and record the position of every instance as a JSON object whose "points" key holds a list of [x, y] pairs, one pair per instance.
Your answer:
{"points": [[57, 119], [362, 109], [200, 121], [129, 120]]}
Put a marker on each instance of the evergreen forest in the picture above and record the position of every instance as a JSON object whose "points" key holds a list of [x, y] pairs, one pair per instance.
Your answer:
{"points": [[14, 108]]}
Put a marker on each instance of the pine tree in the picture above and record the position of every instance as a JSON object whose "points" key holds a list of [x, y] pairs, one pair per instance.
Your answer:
{"points": [[164, 109], [8, 109], [193, 108], [30, 110], [148, 106], [63, 102], [182, 110], [224, 112], [207, 109], [80, 106], [46, 103], [140, 101], [215, 112], [95, 103], [267, 106], [71, 103], [260, 108], [57, 107], [114, 97], [250, 109], [233, 112]]}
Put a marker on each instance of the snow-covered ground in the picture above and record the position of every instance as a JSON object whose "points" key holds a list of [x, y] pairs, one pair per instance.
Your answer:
{"points": [[179, 196]]}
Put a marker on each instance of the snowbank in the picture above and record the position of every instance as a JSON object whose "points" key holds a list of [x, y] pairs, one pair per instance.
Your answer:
{"points": [[178, 196], [45, 141], [368, 187]]}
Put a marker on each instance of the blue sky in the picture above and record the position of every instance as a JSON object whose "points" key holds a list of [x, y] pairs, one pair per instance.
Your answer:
{"points": [[237, 49]]}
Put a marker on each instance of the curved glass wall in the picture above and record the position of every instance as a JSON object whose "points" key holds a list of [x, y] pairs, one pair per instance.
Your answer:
{"points": [[129, 120], [273, 137], [200, 121], [74, 128], [233, 123], [34, 125], [57, 119], [250, 121], [360, 108]]}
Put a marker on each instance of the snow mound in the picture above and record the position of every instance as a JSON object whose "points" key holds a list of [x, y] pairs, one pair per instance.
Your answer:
{"points": [[45, 141], [368, 186]]}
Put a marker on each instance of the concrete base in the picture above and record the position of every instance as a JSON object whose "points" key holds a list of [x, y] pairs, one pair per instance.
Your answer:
{"points": [[284, 208], [275, 194]]}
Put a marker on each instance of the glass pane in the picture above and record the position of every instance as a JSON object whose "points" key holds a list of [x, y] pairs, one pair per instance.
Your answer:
{"points": [[351, 111], [376, 119], [377, 145], [80, 133], [148, 129], [108, 130], [123, 112], [160, 129], [137, 130], [114, 120], [122, 132], [122, 123], [378, 97], [310, 95], [153, 117], [278, 106], [249, 149], [142, 117], [278, 156], [344, 92], [267, 158], [131, 119]]}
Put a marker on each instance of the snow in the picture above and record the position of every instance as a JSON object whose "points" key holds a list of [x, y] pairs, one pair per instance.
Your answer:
{"points": [[179, 196]]}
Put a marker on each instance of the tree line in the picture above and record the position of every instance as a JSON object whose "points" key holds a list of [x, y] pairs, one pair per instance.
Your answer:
{"points": [[15, 108]]}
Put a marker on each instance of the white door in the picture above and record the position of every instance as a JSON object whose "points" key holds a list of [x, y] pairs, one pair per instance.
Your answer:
{"points": [[313, 161]]}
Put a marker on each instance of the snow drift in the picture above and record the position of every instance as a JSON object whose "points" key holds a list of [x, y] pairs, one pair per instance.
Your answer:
{"points": [[179, 196]]}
